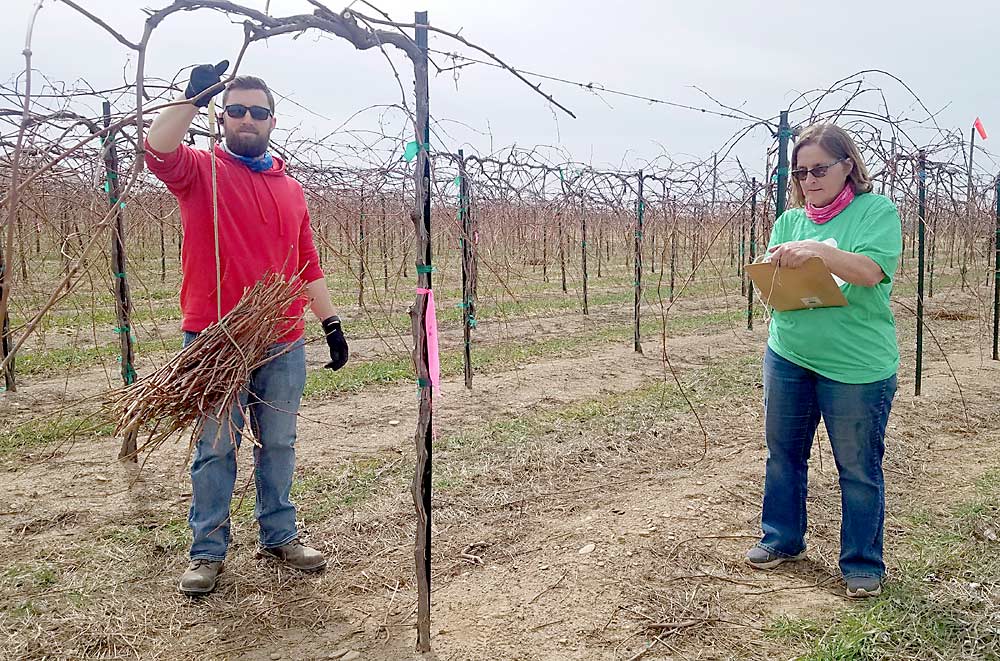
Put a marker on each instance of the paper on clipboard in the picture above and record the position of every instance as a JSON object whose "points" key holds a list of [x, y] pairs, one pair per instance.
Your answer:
{"points": [[808, 286]]}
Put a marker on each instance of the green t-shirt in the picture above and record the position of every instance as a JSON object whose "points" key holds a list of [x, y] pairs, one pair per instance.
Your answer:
{"points": [[856, 343]]}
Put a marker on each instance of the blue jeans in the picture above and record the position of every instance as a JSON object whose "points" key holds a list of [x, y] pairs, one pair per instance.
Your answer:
{"points": [[855, 416], [271, 402]]}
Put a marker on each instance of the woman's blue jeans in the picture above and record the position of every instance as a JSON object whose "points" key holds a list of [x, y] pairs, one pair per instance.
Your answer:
{"points": [[855, 416], [271, 403]]}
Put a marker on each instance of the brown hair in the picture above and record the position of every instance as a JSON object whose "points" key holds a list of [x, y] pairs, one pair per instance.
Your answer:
{"points": [[839, 144], [249, 83]]}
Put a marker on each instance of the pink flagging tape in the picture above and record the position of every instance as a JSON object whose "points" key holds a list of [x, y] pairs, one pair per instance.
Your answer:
{"points": [[433, 358]]}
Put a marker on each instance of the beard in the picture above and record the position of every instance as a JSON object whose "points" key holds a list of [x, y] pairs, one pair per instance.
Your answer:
{"points": [[247, 144]]}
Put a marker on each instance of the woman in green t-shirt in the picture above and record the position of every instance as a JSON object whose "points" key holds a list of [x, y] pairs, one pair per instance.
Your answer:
{"points": [[838, 364]]}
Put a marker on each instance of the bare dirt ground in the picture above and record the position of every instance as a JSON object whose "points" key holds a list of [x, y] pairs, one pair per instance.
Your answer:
{"points": [[40, 395], [580, 513]]}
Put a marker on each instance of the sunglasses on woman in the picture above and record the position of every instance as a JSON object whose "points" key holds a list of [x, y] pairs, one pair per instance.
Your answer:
{"points": [[819, 171], [239, 111]]}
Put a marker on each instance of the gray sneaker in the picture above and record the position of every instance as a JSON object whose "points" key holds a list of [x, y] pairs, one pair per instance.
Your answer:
{"points": [[760, 558], [296, 555], [863, 587], [200, 577]]}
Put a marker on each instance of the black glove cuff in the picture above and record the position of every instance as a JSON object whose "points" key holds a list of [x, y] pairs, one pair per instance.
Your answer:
{"points": [[331, 324]]}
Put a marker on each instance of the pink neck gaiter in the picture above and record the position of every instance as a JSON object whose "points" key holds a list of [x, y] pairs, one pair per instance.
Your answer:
{"points": [[820, 215]]}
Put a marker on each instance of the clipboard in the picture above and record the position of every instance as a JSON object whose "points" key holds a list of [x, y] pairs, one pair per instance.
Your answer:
{"points": [[808, 286]]}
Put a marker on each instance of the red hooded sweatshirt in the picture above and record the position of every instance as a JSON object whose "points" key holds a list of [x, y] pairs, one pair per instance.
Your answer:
{"points": [[263, 226]]}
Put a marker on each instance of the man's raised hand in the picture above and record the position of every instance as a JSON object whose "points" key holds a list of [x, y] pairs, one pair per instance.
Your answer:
{"points": [[203, 77]]}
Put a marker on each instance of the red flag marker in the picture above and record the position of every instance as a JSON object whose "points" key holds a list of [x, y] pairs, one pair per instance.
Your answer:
{"points": [[980, 128]]}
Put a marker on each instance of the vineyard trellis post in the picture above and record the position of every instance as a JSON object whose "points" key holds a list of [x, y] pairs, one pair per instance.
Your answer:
{"points": [[652, 245], [384, 244], [545, 248], [931, 256], [562, 251], [600, 234], [892, 198], [583, 253], [8, 372], [163, 245], [996, 273], [640, 212], [468, 266], [403, 248], [362, 252], [740, 270], [970, 203], [921, 231], [784, 133], [6, 251], [119, 273], [422, 236], [673, 245], [421, 351], [753, 249]]}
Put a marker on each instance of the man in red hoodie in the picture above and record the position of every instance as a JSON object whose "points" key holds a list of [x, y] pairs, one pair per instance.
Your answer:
{"points": [[263, 225]]}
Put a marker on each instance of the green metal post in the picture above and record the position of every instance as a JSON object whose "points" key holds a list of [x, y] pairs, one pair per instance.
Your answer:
{"points": [[784, 134], [921, 230], [996, 276], [753, 250], [640, 213]]}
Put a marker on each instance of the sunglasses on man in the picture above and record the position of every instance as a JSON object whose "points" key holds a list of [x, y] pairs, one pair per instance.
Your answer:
{"points": [[819, 171], [239, 111]]}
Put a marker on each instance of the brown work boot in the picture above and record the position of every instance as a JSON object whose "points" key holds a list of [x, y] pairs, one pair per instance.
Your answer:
{"points": [[200, 577], [296, 555]]}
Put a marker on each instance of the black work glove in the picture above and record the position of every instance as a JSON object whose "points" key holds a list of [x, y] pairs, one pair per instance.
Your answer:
{"points": [[336, 341], [204, 76]]}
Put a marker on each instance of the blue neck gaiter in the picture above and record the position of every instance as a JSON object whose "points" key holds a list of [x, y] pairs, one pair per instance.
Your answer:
{"points": [[261, 163]]}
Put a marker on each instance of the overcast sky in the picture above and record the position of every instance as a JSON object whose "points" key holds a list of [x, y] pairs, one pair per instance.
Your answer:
{"points": [[754, 55]]}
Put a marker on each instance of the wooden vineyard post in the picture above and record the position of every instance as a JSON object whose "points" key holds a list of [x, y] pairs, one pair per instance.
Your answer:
{"points": [[468, 267], [753, 249], [422, 235], [639, 213], [123, 299], [921, 231]]}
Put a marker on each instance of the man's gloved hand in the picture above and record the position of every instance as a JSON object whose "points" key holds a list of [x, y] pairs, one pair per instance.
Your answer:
{"points": [[204, 76], [337, 343]]}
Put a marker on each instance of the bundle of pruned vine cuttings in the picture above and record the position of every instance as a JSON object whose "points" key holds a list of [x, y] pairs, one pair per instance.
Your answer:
{"points": [[205, 379]]}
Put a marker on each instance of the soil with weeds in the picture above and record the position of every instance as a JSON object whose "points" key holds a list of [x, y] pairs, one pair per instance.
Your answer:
{"points": [[581, 512]]}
